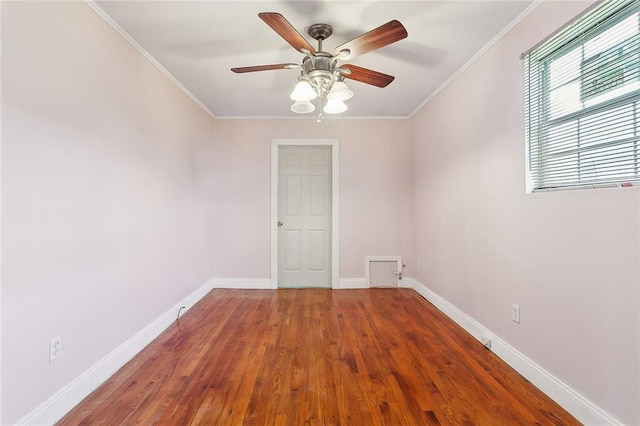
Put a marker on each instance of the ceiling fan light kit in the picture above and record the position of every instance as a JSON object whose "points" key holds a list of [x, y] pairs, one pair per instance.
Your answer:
{"points": [[302, 107], [303, 91], [321, 77], [340, 91], [334, 106]]}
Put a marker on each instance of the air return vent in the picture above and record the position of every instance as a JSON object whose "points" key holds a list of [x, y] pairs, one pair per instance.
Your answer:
{"points": [[383, 271]]}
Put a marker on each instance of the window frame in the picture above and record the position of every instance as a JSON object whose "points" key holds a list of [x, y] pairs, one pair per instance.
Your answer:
{"points": [[537, 92]]}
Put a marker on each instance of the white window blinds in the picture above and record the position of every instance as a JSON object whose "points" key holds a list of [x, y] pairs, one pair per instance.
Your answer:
{"points": [[582, 101]]}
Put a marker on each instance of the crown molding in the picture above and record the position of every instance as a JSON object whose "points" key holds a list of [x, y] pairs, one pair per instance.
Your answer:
{"points": [[105, 17], [479, 54]]}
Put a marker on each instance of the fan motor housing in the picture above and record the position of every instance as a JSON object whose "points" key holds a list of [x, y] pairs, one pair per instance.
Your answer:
{"points": [[320, 67]]}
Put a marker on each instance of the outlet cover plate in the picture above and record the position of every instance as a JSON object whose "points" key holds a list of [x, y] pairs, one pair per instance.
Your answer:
{"points": [[486, 341], [55, 348], [515, 313]]}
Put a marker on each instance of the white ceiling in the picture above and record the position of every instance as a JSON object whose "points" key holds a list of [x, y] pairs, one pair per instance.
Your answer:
{"points": [[199, 41]]}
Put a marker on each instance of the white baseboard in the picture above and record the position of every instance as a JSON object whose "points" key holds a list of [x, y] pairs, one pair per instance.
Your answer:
{"points": [[265, 283], [68, 397], [406, 282], [580, 407], [243, 283], [352, 283], [347, 283]]}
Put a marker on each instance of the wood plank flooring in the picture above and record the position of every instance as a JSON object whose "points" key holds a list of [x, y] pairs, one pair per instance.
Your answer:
{"points": [[316, 357]]}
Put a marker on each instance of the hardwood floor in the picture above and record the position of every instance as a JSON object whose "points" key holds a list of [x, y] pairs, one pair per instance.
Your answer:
{"points": [[317, 357]]}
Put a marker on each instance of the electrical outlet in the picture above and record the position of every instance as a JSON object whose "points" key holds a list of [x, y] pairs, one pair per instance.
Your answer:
{"points": [[55, 348], [486, 341], [515, 313], [419, 263]]}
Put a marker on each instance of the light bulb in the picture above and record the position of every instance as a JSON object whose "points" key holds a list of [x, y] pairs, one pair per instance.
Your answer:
{"points": [[340, 91], [335, 106], [303, 91], [302, 107]]}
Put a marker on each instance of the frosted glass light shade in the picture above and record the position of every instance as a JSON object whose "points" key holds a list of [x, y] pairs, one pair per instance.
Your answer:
{"points": [[303, 92], [340, 91], [335, 106], [302, 107]]}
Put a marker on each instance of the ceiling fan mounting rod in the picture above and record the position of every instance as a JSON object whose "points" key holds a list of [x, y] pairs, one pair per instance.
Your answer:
{"points": [[320, 32]]}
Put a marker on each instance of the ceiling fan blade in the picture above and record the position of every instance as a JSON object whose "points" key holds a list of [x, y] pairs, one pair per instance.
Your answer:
{"points": [[368, 76], [279, 24], [382, 36], [255, 68]]}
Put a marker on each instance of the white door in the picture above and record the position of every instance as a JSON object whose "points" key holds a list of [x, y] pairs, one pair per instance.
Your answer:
{"points": [[304, 216]]}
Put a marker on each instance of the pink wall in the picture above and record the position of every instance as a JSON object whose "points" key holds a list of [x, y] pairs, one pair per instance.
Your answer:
{"points": [[105, 214], [121, 196], [375, 190], [570, 259]]}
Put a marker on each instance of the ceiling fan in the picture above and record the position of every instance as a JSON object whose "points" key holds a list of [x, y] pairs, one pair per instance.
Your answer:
{"points": [[320, 75]]}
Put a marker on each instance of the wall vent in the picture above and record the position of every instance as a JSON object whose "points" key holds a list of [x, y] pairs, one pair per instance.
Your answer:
{"points": [[383, 271]]}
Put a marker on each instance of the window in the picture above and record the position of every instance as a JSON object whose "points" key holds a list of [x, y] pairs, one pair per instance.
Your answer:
{"points": [[582, 101]]}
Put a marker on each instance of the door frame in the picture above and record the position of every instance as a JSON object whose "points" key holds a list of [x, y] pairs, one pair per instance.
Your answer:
{"points": [[275, 150]]}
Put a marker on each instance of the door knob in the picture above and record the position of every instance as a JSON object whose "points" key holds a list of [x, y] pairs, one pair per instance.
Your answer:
{"points": [[280, 223]]}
